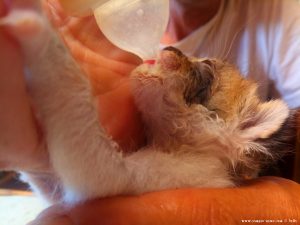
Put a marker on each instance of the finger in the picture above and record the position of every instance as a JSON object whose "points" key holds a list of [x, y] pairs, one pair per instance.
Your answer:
{"points": [[18, 135], [88, 45], [125, 126], [84, 32], [78, 7], [265, 198], [55, 13], [53, 215], [84, 52]]}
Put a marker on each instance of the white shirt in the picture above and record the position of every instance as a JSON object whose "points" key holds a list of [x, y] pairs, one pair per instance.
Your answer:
{"points": [[260, 37]]}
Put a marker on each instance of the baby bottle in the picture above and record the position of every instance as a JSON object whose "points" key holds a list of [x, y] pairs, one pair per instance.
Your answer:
{"points": [[133, 25]]}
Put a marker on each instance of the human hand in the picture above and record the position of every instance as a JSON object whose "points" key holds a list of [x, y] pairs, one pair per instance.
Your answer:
{"points": [[19, 136], [266, 198], [108, 68]]}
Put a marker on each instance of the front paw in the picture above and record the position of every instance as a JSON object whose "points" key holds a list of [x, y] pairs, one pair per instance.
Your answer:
{"points": [[29, 28]]}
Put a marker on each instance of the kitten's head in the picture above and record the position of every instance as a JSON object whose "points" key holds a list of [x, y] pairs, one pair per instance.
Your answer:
{"points": [[182, 82], [175, 77], [174, 89]]}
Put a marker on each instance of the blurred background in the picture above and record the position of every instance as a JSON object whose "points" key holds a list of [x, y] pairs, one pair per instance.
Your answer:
{"points": [[18, 205]]}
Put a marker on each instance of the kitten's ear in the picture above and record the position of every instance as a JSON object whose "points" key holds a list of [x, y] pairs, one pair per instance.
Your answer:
{"points": [[265, 120]]}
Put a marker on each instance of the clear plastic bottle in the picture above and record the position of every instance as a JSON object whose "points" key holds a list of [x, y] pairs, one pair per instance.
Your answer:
{"points": [[133, 25]]}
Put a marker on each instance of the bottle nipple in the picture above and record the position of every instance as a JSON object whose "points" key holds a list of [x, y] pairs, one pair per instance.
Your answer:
{"points": [[135, 26]]}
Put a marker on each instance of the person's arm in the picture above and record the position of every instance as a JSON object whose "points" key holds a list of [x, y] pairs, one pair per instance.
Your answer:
{"points": [[18, 129]]}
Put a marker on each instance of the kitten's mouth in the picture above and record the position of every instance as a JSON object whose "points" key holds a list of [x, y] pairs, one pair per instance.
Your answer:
{"points": [[150, 61], [170, 58]]}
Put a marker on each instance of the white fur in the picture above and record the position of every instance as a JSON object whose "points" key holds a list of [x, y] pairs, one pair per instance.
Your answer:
{"points": [[193, 149]]}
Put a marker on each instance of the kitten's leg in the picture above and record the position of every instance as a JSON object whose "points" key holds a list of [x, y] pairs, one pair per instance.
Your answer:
{"points": [[154, 170], [84, 157]]}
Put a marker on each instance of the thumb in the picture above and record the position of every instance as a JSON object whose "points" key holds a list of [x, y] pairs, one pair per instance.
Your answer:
{"points": [[53, 215]]}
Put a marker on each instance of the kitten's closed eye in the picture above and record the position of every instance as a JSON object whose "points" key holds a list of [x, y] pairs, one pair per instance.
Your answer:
{"points": [[197, 76], [199, 83]]}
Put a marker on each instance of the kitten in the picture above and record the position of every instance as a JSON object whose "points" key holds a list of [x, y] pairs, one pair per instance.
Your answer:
{"points": [[205, 106], [205, 125]]}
